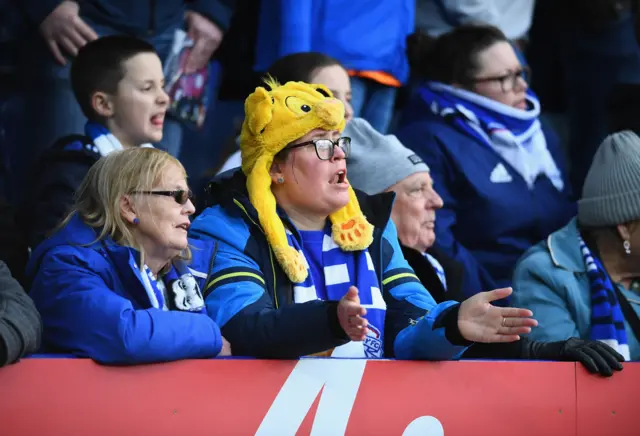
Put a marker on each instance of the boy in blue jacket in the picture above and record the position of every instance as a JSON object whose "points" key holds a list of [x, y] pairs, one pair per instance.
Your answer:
{"points": [[118, 84]]}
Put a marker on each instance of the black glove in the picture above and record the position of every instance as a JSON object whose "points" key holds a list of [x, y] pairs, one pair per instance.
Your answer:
{"points": [[595, 356]]}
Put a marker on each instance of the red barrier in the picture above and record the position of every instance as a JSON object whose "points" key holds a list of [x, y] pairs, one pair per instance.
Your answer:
{"points": [[609, 406], [315, 396]]}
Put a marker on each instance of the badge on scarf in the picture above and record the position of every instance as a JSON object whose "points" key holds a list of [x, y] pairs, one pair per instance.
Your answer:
{"points": [[187, 295]]}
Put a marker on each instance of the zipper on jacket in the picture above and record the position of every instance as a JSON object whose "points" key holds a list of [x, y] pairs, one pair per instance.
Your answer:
{"points": [[152, 17], [273, 268]]}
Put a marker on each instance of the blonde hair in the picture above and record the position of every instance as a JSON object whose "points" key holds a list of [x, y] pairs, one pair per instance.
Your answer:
{"points": [[97, 201]]}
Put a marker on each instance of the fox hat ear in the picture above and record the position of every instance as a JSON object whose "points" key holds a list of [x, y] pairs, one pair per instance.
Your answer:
{"points": [[258, 107], [279, 110]]}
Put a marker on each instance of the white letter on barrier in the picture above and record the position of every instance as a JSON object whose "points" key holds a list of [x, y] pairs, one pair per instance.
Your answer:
{"points": [[424, 426], [341, 380]]}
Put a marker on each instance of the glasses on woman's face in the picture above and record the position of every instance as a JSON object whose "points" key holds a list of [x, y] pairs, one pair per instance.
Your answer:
{"points": [[180, 196], [507, 81], [325, 148]]}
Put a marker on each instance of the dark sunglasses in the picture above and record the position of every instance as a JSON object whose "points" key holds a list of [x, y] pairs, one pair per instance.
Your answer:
{"points": [[180, 196], [325, 147]]}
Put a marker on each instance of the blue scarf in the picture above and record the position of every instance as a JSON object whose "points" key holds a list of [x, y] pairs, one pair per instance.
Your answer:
{"points": [[103, 140], [607, 321], [340, 271], [178, 285], [515, 134]]}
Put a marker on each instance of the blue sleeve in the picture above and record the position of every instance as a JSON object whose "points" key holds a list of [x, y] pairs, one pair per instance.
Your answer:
{"points": [[415, 323], [218, 11], [547, 291], [37, 10], [255, 323], [419, 139], [82, 314], [296, 26]]}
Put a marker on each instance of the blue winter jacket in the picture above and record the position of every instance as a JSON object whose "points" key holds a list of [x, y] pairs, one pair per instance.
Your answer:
{"points": [[252, 300], [364, 35], [551, 280], [93, 302], [139, 17], [486, 226]]}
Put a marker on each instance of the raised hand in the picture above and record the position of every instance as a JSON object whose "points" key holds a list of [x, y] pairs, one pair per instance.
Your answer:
{"points": [[206, 38], [350, 315], [480, 321], [63, 29]]}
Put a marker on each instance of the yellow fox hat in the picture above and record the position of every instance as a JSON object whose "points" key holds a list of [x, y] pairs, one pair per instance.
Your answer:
{"points": [[274, 119]]}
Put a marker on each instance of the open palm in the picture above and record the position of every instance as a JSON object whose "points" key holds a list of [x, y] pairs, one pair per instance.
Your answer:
{"points": [[480, 321]]}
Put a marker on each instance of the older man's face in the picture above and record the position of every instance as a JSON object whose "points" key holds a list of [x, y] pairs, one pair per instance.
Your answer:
{"points": [[414, 211]]}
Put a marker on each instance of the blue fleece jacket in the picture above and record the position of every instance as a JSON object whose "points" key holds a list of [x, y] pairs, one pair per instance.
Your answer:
{"points": [[485, 225]]}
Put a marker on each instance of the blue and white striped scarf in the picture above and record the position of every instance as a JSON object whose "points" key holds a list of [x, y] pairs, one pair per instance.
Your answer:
{"points": [[515, 134], [341, 271], [103, 140], [607, 321]]}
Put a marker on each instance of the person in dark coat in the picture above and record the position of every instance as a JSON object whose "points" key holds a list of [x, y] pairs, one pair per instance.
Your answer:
{"points": [[20, 324], [384, 164]]}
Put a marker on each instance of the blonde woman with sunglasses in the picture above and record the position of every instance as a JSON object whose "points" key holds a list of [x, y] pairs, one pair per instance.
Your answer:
{"points": [[119, 281]]}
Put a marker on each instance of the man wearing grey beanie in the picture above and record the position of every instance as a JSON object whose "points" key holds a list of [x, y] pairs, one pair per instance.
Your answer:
{"points": [[584, 280], [380, 163]]}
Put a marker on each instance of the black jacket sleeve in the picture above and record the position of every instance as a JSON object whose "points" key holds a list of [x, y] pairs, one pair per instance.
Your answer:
{"points": [[291, 331], [20, 324], [511, 350]]}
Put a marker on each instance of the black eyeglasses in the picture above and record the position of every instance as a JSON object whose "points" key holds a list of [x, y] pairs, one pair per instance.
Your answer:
{"points": [[325, 147], [180, 196], [507, 81]]}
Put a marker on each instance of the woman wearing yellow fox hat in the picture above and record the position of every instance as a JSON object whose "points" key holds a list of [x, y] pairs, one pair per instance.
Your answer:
{"points": [[305, 265]]}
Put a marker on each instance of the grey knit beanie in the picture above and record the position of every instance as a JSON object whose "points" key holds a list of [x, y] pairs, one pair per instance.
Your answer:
{"points": [[378, 161], [611, 192]]}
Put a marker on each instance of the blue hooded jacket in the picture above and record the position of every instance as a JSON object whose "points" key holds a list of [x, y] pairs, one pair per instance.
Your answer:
{"points": [[93, 302], [251, 298]]}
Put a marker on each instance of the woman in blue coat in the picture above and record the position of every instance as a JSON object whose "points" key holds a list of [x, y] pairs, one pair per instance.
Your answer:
{"points": [[584, 280], [119, 281], [499, 172]]}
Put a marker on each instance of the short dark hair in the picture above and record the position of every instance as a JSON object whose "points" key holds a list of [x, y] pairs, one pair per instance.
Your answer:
{"points": [[453, 56], [99, 67], [299, 67]]}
